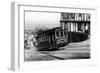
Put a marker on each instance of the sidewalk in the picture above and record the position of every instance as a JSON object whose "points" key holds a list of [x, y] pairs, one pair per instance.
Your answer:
{"points": [[80, 49]]}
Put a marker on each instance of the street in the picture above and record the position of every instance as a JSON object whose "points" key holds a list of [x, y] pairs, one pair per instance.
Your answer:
{"points": [[80, 50]]}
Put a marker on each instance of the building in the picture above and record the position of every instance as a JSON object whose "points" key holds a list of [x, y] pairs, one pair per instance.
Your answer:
{"points": [[77, 25]]}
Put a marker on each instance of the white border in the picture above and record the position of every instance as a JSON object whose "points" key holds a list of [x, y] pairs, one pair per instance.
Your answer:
{"points": [[18, 37]]}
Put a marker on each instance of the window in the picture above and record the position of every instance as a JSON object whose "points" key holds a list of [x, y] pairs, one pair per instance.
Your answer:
{"points": [[57, 33], [40, 39], [65, 33], [61, 33], [88, 17], [44, 38], [47, 38], [63, 25], [79, 27]]}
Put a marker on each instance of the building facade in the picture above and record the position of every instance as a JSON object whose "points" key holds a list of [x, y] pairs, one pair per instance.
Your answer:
{"points": [[77, 25]]}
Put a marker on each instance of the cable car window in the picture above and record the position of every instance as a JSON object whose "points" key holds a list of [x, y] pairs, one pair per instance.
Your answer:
{"points": [[57, 33], [65, 33], [47, 38], [44, 38], [61, 33], [40, 39]]}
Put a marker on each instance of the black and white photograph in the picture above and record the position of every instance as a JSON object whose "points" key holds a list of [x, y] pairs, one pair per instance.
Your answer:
{"points": [[53, 36], [56, 35]]}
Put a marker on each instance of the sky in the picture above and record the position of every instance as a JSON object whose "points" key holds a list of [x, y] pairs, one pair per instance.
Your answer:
{"points": [[41, 19]]}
